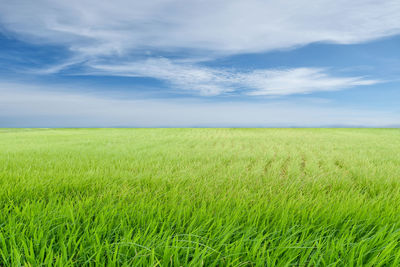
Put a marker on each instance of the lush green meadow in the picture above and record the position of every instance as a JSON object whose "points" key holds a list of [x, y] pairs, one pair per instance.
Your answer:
{"points": [[213, 197]]}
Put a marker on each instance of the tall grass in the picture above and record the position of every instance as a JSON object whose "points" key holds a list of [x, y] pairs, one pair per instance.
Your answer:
{"points": [[213, 197]]}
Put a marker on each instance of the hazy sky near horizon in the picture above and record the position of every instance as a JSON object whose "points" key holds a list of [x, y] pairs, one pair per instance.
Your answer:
{"points": [[199, 63]]}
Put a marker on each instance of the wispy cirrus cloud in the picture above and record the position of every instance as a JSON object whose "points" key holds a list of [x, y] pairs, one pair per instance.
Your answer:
{"points": [[97, 31], [212, 81], [100, 27], [299, 81], [101, 38]]}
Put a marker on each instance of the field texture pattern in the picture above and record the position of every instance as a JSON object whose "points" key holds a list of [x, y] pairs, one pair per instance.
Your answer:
{"points": [[212, 197]]}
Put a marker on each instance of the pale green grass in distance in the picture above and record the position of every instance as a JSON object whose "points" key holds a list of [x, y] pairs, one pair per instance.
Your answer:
{"points": [[213, 197]]}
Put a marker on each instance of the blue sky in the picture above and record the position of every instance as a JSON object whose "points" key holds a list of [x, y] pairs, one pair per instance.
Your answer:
{"points": [[174, 63]]}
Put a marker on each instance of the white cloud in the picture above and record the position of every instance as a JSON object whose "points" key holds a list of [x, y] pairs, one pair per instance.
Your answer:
{"points": [[95, 30], [30, 105], [101, 27], [206, 81], [211, 81], [299, 81]]}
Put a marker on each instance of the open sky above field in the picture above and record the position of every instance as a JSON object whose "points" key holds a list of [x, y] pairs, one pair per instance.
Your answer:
{"points": [[171, 63]]}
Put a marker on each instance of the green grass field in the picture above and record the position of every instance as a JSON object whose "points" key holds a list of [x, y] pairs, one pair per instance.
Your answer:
{"points": [[212, 197]]}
